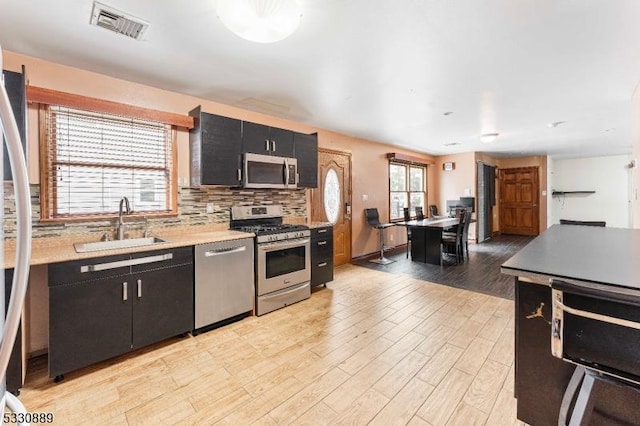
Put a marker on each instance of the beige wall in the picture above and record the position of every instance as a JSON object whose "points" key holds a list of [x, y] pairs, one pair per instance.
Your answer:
{"points": [[635, 189], [370, 179], [453, 184], [369, 167]]}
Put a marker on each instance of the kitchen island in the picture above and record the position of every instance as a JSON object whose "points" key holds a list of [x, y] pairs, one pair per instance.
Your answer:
{"points": [[601, 259]]}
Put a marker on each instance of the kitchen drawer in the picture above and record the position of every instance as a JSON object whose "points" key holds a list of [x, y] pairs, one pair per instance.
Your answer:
{"points": [[322, 248], [321, 272], [321, 255], [72, 272], [322, 232]]}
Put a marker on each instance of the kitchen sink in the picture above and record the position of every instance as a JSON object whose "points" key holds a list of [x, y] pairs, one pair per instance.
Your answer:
{"points": [[117, 244]]}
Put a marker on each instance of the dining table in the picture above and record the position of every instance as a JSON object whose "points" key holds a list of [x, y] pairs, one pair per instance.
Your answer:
{"points": [[426, 236]]}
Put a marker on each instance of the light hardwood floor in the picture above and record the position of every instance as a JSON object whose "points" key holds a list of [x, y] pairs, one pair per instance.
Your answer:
{"points": [[373, 348]]}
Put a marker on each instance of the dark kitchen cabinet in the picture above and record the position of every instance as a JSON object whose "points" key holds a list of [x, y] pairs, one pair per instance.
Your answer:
{"points": [[215, 149], [321, 255], [265, 140], [306, 152], [100, 308], [15, 83], [163, 296], [14, 369], [541, 379]]}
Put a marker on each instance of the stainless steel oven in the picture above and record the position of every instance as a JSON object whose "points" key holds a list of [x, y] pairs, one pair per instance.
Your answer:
{"points": [[283, 273], [282, 256]]}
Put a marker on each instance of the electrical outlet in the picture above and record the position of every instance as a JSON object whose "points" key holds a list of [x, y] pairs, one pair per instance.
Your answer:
{"points": [[391, 237], [365, 197], [209, 207]]}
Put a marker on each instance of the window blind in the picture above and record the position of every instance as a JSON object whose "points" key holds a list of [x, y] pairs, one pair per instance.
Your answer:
{"points": [[94, 159]]}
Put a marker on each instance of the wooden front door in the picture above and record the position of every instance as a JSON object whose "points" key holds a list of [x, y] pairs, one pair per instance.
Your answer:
{"points": [[519, 212], [336, 198]]}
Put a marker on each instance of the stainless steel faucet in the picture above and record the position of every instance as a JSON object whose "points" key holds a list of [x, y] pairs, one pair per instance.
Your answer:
{"points": [[124, 201]]}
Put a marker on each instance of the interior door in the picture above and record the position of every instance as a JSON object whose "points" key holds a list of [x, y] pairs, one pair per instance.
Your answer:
{"points": [[486, 201], [331, 200], [519, 212]]}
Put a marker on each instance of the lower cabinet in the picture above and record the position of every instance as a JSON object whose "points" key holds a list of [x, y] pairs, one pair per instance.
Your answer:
{"points": [[104, 307], [321, 255], [14, 369]]}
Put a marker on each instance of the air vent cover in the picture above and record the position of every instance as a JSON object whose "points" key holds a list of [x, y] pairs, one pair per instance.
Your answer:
{"points": [[117, 21]]}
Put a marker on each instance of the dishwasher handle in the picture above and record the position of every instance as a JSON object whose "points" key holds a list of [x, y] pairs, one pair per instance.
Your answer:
{"points": [[224, 251]]}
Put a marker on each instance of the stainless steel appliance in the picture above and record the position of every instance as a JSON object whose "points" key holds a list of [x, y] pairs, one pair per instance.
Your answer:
{"points": [[9, 324], [224, 281], [282, 256], [268, 171]]}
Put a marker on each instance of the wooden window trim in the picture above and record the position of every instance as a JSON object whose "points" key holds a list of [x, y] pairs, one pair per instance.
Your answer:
{"points": [[408, 191], [46, 206], [53, 97], [409, 159]]}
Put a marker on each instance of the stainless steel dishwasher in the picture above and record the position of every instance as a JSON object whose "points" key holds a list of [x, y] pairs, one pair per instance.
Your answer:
{"points": [[224, 281]]}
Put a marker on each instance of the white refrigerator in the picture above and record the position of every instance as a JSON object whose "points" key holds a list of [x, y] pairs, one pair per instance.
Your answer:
{"points": [[9, 323]]}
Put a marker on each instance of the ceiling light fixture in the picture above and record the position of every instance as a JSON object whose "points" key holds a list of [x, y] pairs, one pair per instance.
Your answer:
{"points": [[488, 137], [260, 21]]}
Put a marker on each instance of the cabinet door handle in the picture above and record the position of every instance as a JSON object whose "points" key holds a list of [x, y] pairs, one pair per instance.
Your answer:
{"points": [[128, 262], [139, 289], [124, 291], [321, 231], [239, 175], [266, 144], [322, 243], [273, 146], [320, 265]]}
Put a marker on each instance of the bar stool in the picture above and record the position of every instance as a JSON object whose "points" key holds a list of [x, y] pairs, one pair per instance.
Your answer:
{"points": [[407, 218], [373, 219]]}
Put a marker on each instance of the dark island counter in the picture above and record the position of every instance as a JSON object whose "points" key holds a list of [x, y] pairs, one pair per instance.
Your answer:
{"points": [[598, 259]]}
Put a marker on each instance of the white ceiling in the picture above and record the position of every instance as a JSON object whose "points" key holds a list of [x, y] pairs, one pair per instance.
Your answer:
{"points": [[385, 70]]}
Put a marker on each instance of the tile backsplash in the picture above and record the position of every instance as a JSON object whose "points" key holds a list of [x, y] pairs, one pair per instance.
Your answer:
{"points": [[192, 203]]}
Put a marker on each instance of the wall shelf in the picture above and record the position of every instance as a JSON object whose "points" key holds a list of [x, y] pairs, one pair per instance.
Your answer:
{"points": [[558, 193]]}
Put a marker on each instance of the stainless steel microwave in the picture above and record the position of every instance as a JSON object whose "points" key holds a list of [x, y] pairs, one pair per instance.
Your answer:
{"points": [[267, 171]]}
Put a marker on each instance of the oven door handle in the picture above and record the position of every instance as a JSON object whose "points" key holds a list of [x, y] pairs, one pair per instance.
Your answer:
{"points": [[595, 316], [597, 291], [283, 245]]}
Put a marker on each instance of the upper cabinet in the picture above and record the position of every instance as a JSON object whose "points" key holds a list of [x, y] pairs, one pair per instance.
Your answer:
{"points": [[265, 140], [216, 148], [306, 152], [217, 144], [15, 83]]}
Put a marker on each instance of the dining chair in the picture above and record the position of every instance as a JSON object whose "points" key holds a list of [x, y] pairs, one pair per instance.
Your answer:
{"points": [[419, 213], [454, 241], [407, 218], [373, 219], [464, 241]]}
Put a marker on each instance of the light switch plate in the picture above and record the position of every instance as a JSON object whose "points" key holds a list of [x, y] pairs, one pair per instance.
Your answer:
{"points": [[209, 207]]}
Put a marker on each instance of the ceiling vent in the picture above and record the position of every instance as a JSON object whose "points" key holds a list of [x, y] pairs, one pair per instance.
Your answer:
{"points": [[119, 22]]}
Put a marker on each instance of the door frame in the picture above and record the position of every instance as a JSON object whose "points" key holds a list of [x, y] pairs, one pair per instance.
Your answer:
{"points": [[349, 199]]}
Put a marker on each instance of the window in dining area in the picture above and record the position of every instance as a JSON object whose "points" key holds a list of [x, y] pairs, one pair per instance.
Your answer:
{"points": [[407, 185]]}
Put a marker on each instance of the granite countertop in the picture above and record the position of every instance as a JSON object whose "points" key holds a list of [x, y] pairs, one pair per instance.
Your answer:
{"points": [[314, 225], [60, 249], [586, 253]]}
